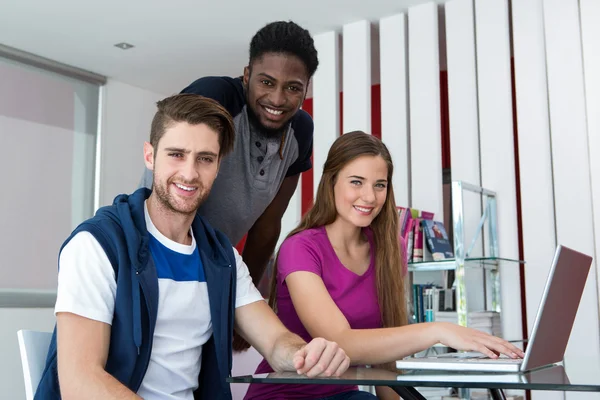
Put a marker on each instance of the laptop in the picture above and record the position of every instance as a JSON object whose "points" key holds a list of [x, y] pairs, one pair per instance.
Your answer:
{"points": [[551, 330]]}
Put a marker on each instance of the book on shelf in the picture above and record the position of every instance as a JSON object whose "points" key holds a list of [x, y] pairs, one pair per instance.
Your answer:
{"points": [[405, 227], [412, 232], [417, 254], [428, 299], [437, 240], [409, 240], [404, 218]]}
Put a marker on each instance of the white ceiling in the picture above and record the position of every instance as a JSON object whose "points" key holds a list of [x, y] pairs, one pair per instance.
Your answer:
{"points": [[175, 41]]}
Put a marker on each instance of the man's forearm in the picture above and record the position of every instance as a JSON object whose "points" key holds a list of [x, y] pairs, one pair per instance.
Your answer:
{"points": [[95, 384], [282, 356], [258, 249]]}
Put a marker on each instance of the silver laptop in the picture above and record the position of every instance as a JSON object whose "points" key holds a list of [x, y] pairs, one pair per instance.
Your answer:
{"points": [[551, 330]]}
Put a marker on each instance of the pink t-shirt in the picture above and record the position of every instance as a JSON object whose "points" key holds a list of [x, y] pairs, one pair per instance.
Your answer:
{"points": [[355, 295]]}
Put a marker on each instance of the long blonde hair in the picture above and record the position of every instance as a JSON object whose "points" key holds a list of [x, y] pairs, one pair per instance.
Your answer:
{"points": [[389, 261]]}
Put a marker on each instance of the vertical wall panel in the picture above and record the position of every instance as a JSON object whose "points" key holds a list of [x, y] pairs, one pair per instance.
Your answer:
{"points": [[464, 127], [497, 145], [535, 161], [394, 96], [326, 100], [424, 100], [572, 191], [356, 53], [590, 32]]}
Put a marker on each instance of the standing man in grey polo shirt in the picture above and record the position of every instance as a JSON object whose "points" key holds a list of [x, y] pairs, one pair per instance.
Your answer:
{"points": [[273, 140]]}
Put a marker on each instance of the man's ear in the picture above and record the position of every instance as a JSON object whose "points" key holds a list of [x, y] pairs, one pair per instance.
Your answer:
{"points": [[246, 75], [149, 156]]}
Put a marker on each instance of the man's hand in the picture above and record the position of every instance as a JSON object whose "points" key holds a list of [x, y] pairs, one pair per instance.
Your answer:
{"points": [[321, 357], [284, 350]]}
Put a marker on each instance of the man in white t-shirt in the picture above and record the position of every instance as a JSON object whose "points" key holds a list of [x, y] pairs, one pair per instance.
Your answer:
{"points": [[149, 293]]}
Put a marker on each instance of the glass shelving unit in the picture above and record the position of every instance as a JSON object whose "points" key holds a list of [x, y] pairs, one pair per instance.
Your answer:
{"points": [[463, 248], [491, 263]]}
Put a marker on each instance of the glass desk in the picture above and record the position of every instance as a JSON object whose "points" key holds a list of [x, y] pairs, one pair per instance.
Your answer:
{"points": [[403, 382]]}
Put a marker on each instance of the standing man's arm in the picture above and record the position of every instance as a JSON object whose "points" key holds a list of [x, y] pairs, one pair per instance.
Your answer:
{"points": [[262, 237]]}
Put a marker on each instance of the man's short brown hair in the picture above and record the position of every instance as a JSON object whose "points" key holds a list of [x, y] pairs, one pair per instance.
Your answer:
{"points": [[193, 109]]}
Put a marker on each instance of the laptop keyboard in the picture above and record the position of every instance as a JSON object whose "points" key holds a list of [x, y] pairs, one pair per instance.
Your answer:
{"points": [[472, 356], [485, 359]]}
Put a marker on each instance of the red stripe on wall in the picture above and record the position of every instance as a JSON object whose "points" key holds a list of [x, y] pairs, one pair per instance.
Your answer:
{"points": [[306, 184], [445, 119], [519, 211], [376, 111]]}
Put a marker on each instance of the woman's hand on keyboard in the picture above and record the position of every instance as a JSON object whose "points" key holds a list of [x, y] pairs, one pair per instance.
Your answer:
{"points": [[467, 339]]}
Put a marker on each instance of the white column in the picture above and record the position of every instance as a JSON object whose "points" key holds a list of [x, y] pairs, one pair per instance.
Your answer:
{"points": [[464, 128], [326, 100], [424, 100], [571, 166], [535, 161], [394, 97], [497, 145], [590, 32], [357, 76]]}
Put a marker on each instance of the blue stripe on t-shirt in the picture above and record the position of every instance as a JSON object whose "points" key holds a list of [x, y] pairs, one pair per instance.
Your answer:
{"points": [[176, 266]]}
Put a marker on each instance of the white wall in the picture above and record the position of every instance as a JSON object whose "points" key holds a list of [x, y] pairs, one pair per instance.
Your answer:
{"points": [[394, 100], [496, 143], [51, 119], [424, 109], [326, 102], [127, 114], [535, 158], [571, 173]]}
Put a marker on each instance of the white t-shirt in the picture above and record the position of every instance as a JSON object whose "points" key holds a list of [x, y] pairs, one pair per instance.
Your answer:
{"points": [[87, 287]]}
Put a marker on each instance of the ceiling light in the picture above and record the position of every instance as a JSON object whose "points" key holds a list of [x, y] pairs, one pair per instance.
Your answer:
{"points": [[124, 46]]}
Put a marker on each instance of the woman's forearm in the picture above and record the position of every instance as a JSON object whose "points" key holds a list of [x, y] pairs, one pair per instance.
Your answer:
{"points": [[380, 346]]}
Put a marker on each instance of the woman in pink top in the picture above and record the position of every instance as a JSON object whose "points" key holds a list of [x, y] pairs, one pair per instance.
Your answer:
{"points": [[339, 275]]}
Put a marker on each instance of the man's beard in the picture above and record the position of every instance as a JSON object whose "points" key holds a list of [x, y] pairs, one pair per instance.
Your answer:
{"points": [[170, 203], [268, 132]]}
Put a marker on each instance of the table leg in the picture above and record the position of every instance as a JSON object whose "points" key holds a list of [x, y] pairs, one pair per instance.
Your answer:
{"points": [[408, 393], [497, 394]]}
